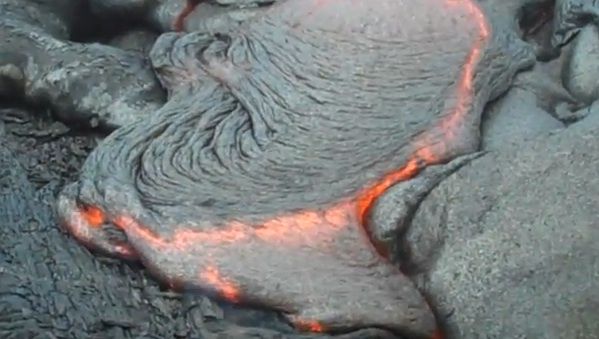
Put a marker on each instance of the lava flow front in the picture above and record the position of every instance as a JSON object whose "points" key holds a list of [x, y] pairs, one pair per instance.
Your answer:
{"points": [[334, 236]]}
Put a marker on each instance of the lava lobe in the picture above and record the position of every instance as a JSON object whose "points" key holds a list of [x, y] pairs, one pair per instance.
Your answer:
{"points": [[254, 181]]}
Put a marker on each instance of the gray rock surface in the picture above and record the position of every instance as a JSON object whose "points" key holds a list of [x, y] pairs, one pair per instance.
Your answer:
{"points": [[210, 18], [86, 83], [163, 16], [140, 41], [514, 118], [591, 114], [507, 246], [544, 80], [207, 16], [516, 252], [581, 75], [54, 17], [571, 16], [51, 287]]}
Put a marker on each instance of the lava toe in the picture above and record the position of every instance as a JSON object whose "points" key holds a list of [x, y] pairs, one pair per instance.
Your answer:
{"points": [[88, 225], [317, 267], [390, 214], [252, 182]]}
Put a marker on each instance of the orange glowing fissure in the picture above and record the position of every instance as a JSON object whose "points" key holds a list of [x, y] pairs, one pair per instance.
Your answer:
{"points": [[309, 326], [309, 225]]}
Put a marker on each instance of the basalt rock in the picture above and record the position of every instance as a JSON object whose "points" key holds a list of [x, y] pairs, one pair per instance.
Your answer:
{"points": [[50, 287], [255, 180], [581, 76], [507, 246], [210, 18], [140, 41], [516, 118], [204, 16], [86, 83], [93, 84], [571, 16], [528, 109]]}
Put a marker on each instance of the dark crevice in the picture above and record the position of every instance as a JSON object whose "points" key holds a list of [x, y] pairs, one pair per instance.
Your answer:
{"points": [[90, 27], [536, 21], [534, 17]]}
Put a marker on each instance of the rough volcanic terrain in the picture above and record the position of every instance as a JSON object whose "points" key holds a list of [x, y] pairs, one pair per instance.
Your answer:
{"points": [[500, 245], [51, 287]]}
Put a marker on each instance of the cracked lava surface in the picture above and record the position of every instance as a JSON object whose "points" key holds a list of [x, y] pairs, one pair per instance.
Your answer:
{"points": [[207, 197]]}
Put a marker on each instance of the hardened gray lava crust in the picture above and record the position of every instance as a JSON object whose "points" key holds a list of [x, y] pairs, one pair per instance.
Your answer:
{"points": [[318, 159], [219, 190]]}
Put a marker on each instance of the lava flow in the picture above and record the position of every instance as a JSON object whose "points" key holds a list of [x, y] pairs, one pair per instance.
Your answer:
{"points": [[426, 156], [318, 228]]}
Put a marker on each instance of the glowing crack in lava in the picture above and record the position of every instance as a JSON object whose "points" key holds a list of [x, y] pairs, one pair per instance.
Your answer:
{"points": [[319, 232]]}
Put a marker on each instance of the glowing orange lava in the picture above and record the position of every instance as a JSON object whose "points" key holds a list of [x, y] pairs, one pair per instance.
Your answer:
{"points": [[93, 216], [227, 289], [309, 326], [314, 227]]}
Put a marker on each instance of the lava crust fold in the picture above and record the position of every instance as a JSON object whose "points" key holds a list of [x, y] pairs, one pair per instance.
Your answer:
{"points": [[254, 181]]}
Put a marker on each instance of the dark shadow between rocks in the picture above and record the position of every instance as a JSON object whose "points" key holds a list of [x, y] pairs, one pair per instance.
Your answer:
{"points": [[536, 21]]}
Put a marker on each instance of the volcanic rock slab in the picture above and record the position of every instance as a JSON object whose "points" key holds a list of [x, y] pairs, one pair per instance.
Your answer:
{"points": [[514, 119], [528, 109], [571, 16], [581, 76], [92, 84], [507, 246], [255, 180], [199, 15], [80, 82], [210, 18]]}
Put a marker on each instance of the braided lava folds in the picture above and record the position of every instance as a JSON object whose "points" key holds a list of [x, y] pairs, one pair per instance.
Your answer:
{"points": [[254, 181]]}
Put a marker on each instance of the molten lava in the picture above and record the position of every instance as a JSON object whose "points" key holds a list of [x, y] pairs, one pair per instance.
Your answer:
{"points": [[227, 288], [309, 326], [315, 227], [93, 216]]}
